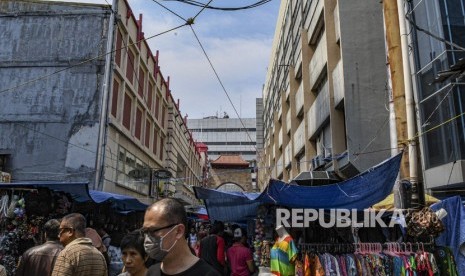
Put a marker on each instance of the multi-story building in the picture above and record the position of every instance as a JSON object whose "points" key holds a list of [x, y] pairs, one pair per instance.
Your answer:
{"points": [[230, 142], [85, 100], [325, 101], [226, 136], [440, 101]]}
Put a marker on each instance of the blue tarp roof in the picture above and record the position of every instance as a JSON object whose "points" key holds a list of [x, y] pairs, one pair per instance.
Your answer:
{"points": [[79, 191], [119, 202], [359, 192]]}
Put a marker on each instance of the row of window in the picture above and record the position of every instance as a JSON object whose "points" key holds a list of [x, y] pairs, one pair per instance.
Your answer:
{"points": [[223, 129], [229, 143], [142, 126]]}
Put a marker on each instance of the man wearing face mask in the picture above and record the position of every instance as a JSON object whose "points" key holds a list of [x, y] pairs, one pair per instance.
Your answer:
{"points": [[164, 230]]}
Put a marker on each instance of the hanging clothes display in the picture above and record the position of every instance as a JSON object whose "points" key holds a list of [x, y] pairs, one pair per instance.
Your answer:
{"points": [[283, 254], [376, 260]]}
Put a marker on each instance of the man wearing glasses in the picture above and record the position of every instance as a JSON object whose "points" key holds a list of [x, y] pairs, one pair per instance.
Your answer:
{"points": [[79, 257], [164, 231]]}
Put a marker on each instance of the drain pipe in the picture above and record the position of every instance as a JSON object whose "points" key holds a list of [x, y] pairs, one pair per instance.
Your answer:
{"points": [[409, 105], [107, 84]]}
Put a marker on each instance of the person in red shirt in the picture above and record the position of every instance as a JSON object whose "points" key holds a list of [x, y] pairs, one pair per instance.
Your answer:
{"points": [[240, 256], [212, 248]]}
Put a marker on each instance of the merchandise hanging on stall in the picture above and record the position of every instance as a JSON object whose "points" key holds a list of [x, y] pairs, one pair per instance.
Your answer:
{"points": [[22, 215], [25, 207]]}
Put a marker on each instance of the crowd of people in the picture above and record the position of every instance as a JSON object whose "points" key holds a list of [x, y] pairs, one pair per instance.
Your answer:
{"points": [[163, 246]]}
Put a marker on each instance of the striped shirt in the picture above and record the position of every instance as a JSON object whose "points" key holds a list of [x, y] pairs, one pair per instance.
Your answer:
{"points": [[80, 258], [283, 253]]}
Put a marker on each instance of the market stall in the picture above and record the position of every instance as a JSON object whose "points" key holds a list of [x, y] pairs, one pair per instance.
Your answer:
{"points": [[360, 242], [25, 207]]}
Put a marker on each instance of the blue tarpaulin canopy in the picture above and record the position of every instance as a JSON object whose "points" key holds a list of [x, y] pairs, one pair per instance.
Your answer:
{"points": [[228, 206], [77, 190], [119, 202], [359, 192]]}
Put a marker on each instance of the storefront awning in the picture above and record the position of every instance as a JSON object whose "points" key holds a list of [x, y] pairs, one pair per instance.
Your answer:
{"points": [[119, 202], [79, 191], [359, 192]]}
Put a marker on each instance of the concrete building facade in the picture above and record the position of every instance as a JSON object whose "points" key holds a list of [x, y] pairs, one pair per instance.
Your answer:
{"points": [[107, 119], [226, 136], [324, 95]]}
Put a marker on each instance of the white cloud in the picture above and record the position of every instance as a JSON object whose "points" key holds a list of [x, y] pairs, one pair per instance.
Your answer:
{"points": [[240, 62], [238, 44]]}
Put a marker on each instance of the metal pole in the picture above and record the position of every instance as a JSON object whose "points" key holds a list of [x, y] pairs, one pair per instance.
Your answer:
{"points": [[391, 23]]}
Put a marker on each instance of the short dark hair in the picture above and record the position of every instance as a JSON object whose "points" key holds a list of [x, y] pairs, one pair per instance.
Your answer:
{"points": [[78, 222], [52, 229], [135, 240], [217, 228], [173, 211]]}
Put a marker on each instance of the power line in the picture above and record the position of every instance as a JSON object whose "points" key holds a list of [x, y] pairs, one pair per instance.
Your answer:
{"points": [[86, 61], [452, 44], [208, 6]]}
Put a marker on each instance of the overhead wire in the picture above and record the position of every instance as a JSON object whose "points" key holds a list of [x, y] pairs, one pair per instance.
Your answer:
{"points": [[208, 6], [86, 61]]}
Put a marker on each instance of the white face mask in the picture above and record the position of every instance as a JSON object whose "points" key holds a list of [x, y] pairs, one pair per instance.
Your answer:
{"points": [[154, 246]]}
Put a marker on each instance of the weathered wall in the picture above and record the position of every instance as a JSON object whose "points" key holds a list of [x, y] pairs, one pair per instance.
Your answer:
{"points": [[50, 125], [218, 177]]}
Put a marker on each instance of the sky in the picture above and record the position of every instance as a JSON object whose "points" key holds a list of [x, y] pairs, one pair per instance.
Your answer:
{"points": [[238, 44]]}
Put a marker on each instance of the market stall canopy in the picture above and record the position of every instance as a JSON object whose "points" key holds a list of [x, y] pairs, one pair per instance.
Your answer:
{"points": [[119, 202], [79, 191], [388, 202], [228, 206], [359, 192]]}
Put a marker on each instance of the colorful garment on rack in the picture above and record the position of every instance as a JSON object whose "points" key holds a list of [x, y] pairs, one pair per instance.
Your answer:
{"points": [[445, 261], [306, 265], [299, 268], [283, 253]]}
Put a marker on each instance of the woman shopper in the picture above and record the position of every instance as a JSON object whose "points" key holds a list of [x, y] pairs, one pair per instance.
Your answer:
{"points": [[134, 256]]}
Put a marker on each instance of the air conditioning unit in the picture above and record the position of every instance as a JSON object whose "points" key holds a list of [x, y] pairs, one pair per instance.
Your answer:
{"points": [[316, 178]]}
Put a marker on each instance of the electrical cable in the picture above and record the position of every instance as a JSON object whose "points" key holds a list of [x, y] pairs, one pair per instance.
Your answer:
{"points": [[85, 61], [171, 11], [452, 44], [437, 107], [207, 6]]}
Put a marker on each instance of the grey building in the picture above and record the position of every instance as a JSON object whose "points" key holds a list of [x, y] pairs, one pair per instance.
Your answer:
{"points": [[82, 101], [440, 101], [325, 101], [226, 136], [50, 115]]}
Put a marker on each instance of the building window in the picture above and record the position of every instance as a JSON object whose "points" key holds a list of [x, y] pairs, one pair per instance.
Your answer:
{"points": [[157, 106], [147, 133], [141, 82], [3, 161], [127, 111], [150, 96], [130, 67], [138, 129], [114, 99], [163, 110], [119, 43], [132, 173], [155, 142], [161, 147]]}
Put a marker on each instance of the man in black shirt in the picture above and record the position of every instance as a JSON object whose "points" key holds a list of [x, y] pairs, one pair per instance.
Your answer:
{"points": [[164, 229]]}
